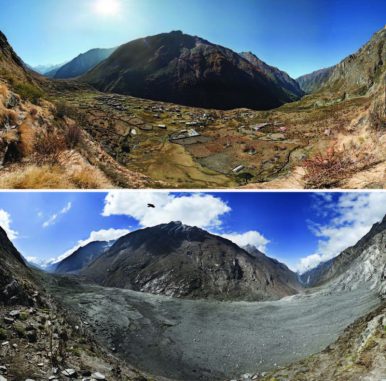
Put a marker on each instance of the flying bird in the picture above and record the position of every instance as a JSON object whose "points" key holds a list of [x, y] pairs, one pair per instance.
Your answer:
{"points": [[151, 206]]}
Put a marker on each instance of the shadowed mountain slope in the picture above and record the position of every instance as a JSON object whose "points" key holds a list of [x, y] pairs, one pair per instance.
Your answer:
{"points": [[82, 64], [82, 257], [178, 68], [281, 78]]}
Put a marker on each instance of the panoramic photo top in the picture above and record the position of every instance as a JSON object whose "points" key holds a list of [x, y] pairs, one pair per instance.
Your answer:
{"points": [[252, 94]]}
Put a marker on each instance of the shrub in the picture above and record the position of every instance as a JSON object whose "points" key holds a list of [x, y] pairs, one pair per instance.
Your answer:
{"points": [[325, 170], [49, 144], [23, 316], [328, 169], [72, 136], [29, 92], [63, 109], [3, 334], [244, 178], [19, 329]]}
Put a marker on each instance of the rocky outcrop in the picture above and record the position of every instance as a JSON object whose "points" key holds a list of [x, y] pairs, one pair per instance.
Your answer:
{"points": [[182, 261], [360, 72], [15, 277], [11, 66], [178, 68]]}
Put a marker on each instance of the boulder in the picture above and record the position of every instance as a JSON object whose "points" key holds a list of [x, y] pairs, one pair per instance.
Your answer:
{"points": [[98, 376], [70, 373]]}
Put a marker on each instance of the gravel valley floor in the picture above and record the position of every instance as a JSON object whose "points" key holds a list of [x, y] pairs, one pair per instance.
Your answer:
{"points": [[208, 340]]}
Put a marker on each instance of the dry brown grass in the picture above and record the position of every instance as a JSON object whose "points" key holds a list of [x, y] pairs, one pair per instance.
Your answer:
{"points": [[89, 178], [3, 91], [36, 177], [9, 137], [8, 117], [27, 139]]}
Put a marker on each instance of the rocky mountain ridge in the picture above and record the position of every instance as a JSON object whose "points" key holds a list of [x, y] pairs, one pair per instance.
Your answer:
{"points": [[365, 262], [281, 78], [183, 69], [182, 261]]}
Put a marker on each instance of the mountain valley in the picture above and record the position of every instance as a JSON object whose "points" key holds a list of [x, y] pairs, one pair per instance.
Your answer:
{"points": [[139, 143], [148, 319]]}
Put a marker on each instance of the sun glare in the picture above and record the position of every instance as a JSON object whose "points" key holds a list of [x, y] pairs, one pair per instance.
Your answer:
{"points": [[107, 7]]}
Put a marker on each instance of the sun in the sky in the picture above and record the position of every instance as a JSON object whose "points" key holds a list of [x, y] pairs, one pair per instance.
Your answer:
{"points": [[107, 7]]}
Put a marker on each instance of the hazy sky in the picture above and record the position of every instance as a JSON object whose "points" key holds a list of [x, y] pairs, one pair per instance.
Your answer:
{"points": [[300, 229], [298, 36]]}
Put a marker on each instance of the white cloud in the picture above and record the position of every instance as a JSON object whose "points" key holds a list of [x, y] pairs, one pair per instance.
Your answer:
{"points": [[253, 238], [201, 210], [5, 223], [100, 235], [53, 219], [354, 215]]}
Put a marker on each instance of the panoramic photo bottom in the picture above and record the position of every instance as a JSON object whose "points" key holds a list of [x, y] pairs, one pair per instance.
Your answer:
{"points": [[165, 286]]}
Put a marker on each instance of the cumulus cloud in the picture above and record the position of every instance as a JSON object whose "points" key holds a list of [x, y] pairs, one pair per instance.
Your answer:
{"points": [[253, 238], [5, 223], [353, 216], [201, 210], [99, 235], [54, 218]]}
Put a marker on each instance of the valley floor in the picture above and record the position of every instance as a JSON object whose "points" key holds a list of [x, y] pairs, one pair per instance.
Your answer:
{"points": [[209, 340]]}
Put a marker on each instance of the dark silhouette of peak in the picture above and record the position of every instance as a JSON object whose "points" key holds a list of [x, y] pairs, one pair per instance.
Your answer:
{"points": [[179, 68]]}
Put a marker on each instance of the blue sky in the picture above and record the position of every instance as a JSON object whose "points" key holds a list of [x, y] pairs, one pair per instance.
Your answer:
{"points": [[300, 229], [298, 36]]}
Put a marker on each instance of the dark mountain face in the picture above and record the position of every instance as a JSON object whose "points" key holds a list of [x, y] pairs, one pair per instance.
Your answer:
{"points": [[313, 82], [182, 261], [280, 78], [15, 277], [82, 257], [359, 259], [179, 68], [81, 64]]}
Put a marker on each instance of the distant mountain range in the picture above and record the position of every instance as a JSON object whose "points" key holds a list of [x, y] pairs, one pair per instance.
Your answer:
{"points": [[82, 257], [81, 64], [311, 83], [45, 69]]}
